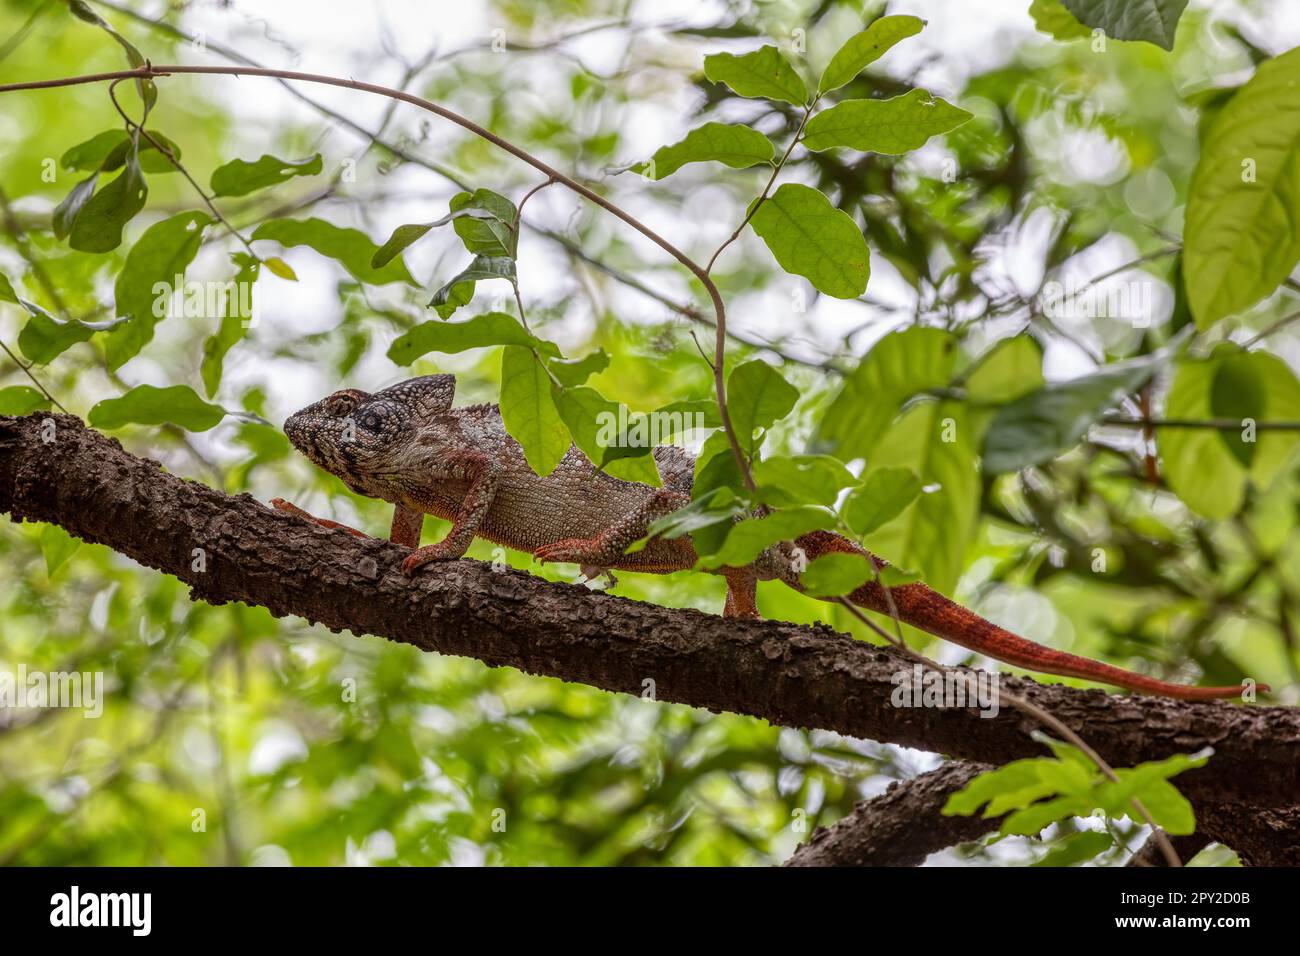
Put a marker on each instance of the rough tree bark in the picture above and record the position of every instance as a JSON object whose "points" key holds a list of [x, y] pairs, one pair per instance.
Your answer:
{"points": [[903, 826], [791, 675]]}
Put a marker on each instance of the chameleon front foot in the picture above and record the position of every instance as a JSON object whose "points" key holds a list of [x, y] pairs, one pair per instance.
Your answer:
{"points": [[429, 553]]}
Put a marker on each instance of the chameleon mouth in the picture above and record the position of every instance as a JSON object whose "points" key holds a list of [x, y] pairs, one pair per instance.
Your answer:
{"points": [[302, 436]]}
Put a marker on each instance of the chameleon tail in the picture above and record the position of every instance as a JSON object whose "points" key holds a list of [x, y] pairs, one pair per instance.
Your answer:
{"points": [[927, 609]]}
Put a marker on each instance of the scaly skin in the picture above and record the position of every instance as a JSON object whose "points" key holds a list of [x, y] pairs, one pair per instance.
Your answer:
{"points": [[407, 445]]}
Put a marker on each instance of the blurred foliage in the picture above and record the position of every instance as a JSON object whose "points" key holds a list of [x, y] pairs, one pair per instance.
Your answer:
{"points": [[229, 736]]}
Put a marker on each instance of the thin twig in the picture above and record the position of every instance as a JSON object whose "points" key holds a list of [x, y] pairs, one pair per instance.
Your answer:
{"points": [[1220, 424], [35, 381]]}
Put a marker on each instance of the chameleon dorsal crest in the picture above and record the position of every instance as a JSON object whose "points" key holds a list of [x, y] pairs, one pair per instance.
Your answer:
{"points": [[425, 396]]}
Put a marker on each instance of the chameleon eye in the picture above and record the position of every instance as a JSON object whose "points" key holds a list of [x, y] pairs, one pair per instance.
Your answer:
{"points": [[340, 404]]}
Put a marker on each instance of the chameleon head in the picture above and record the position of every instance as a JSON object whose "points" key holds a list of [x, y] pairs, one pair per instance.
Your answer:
{"points": [[364, 437]]}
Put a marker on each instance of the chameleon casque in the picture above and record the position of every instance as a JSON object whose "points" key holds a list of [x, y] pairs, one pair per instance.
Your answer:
{"points": [[407, 445]]}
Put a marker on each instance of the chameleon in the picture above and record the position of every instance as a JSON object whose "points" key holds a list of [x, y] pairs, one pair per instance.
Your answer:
{"points": [[409, 446]]}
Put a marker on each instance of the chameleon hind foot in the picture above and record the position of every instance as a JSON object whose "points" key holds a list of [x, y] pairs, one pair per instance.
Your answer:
{"points": [[588, 551]]}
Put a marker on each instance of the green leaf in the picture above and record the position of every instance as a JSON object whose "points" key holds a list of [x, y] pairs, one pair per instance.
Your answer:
{"points": [[592, 421], [7, 293], [678, 419], [451, 297], [1051, 17], [1152, 20], [892, 576], [529, 412], [21, 400], [577, 371], [278, 267], [865, 48], [482, 331], [147, 405], [734, 146], [1208, 468], [97, 225], [1017, 784], [757, 397], [785, 481], [152, 159], [1040, 425], [719, 506], [1078, 848], [58, 546], [881, 498], [936, 441], [893, 126], [898, 367], [811, 238], [836, 574], [1011, 368], [350, 247], [1241, 238], [490, 231], [44, 337], [765, 73], [715, 467], [148, 279], [402, 237], [108, 151], [91, 154], [1032, 819], [461, 289], [715, 510], [234, 323], [1149, 783], [1170, 810], [1238, 392], [240, 177], [751, 537], [66, 212]]}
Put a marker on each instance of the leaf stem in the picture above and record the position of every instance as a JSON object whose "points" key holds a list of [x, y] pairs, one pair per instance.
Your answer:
{"points": [[35, 381]]}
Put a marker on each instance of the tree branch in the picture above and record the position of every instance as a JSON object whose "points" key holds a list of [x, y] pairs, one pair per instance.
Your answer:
{"points": [[902, 826], [791, 675]]}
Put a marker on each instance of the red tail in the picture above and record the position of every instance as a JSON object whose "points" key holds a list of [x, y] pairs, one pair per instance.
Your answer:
{"points": [[927, 609]]}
